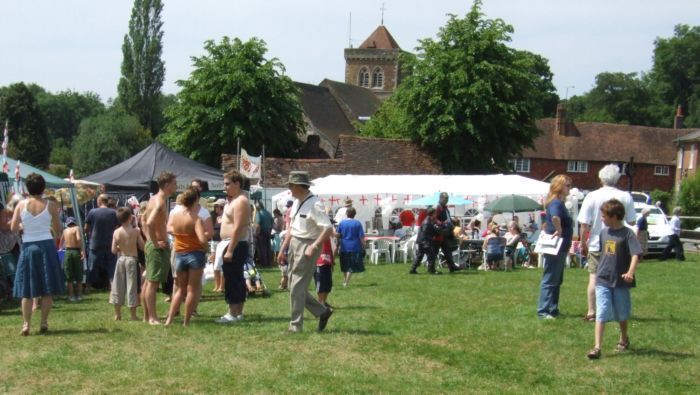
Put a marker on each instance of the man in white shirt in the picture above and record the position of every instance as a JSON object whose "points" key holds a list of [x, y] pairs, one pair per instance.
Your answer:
{"points": [[592, 223], [341, 214], [309, 228], [674, 240]]}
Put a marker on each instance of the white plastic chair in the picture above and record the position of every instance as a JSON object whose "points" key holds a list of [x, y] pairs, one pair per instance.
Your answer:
{"points": [[405, 248], [381, 247]]}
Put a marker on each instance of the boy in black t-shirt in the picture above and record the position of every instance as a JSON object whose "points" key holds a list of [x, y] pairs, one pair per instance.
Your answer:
{"points": [[619, 255]]}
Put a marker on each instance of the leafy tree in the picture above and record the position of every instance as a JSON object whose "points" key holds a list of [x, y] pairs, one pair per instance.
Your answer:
{"points": [[469, 98], [61, 154], [105, 140], [234, 92], [676, 70], [28, 136], [143, 70], [664, 197], [617, 98], [65, 110], [689, 199]]}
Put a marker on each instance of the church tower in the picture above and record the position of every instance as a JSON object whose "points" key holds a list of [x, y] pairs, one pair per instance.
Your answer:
{"points": [[375, 64]]}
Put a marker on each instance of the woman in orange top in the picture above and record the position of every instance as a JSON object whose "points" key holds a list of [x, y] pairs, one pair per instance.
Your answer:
{"points": [[190, 245]]}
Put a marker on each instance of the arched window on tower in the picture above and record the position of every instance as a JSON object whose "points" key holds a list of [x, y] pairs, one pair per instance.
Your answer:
{"points": [[363, 78], [378, 78]]}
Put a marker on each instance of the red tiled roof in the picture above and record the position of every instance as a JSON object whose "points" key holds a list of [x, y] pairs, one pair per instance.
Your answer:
{"points": [[380, 39], [605, 142]]}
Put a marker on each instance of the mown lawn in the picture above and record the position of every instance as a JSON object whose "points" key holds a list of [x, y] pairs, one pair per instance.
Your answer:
{"points": [[391, 333]]}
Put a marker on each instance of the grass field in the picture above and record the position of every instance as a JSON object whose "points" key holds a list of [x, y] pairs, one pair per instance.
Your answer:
{"points": [[391, 333]]}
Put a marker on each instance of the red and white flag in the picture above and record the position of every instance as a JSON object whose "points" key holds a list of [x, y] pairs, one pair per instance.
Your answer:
{"points": [[17, 171], [70, 176], [250, 165], [5, 143]]}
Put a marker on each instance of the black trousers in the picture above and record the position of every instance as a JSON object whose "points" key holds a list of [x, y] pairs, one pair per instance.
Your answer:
{"points": [[422, 251], [674, 243]]}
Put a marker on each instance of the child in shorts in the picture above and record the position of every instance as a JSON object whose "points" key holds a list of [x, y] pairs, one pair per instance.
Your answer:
{"points": [[323, 277], [73, 259], [252, 278], [125, 242], [619, 255]]}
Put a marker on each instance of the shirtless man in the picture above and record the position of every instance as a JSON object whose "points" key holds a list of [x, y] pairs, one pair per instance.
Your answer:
{"points": [[73, 258], [156, 248], [125, 242], [233, 249]]}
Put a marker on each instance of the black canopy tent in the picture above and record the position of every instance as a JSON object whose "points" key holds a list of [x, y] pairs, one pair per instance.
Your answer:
{"points": [[134, 175]]}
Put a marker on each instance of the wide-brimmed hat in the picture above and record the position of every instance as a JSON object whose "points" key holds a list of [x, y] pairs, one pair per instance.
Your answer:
{"points": [[348, 202], [299, 178], [220, 202]]}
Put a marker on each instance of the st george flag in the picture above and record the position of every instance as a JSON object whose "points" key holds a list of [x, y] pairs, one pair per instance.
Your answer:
{"points": [[5, 144], [250, 165]]}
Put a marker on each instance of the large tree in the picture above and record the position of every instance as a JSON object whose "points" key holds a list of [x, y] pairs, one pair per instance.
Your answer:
{"points": [[234, 92], [469, 98], [63, 112], [676, 71], [143, 70], [107, 139], [619, 98], [29, 141]]}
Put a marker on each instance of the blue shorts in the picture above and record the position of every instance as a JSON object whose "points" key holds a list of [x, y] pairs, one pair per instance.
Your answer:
{"points": [[185, 261], [612, 304]]}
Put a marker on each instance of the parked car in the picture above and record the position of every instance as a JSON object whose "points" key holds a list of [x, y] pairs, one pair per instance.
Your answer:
{"points": [[659, 228], [641, 197]]}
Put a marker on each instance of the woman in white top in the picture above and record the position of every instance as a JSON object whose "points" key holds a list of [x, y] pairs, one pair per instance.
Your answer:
{"points": [[38, 272]]}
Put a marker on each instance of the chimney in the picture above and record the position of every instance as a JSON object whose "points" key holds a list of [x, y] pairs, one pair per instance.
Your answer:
{"points": [[561, 120], [678, 120]]}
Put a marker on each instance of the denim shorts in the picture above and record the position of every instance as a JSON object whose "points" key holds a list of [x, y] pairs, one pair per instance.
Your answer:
{"points": [[612, 304], [185, 261]]}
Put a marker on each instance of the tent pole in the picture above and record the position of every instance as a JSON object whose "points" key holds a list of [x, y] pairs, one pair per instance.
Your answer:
{"points": [[76, 215]]}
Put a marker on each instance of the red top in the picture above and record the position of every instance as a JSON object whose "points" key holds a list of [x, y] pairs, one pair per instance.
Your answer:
{"points": [[407, 218], [326, 257]]}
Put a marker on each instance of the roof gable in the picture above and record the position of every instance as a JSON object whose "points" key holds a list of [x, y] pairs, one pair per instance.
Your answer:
{"points": [[380, 39]]}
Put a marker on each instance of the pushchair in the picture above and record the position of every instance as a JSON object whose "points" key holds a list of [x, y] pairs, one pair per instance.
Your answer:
{"points": [[255, 285]]}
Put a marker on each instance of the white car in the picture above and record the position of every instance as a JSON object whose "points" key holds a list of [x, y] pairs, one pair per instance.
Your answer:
{"points": [[659, 227]]}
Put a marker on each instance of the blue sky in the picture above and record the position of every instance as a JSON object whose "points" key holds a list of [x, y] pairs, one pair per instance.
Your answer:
{"points": [[76, 44]]}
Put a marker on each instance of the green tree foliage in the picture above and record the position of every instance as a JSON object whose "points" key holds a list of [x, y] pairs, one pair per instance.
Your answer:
{"points": [[234, 92], [469, 98], [64, 111], [28, 135], [664, 197], [689, 199], [61, 153], [105, 140], [617, 98], [676, 71], [143, 70]]}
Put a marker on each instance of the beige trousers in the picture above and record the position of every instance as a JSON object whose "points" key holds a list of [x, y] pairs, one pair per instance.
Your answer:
{"points": [[301, 272], [124, 282]]}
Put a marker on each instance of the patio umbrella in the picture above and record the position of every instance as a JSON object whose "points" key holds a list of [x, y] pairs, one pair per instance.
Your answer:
{"points": [[432, 200], [513, 204]]}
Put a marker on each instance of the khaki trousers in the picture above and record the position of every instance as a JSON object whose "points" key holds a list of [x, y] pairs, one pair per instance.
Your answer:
{"points": [[301, 271]]}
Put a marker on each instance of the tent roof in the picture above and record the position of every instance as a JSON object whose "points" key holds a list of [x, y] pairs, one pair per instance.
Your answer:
{"points": [[140, 169], [25, 169]]}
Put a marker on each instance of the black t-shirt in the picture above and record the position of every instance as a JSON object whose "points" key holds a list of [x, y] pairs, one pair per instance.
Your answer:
{"points": [[102, 222]]}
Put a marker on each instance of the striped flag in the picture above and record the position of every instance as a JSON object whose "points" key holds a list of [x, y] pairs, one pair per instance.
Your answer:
{"points": [[70, 176], [5, 143]]}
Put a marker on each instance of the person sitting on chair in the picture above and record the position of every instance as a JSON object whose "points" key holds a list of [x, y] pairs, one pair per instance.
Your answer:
{"points": [[493, 245]]}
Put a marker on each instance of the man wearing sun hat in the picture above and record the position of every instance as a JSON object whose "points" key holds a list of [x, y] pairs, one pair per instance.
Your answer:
{"points": [[341, 213], [309, 228]]}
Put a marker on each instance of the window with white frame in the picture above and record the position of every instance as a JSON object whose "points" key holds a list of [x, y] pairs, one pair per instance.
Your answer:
{"points": [[577, 166], [661, 170], [520, 165]]}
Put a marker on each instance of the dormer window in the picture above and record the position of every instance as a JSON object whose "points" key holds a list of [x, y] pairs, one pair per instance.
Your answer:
{"points": [[378, 78], [363, 78]]}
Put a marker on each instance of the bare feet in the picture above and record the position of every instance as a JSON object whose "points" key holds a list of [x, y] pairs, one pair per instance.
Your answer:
{"points": [[117, 318], [134, 318], [25, 329], [154, 322]]}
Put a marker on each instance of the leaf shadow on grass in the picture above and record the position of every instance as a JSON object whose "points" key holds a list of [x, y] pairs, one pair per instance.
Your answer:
{"points": [[676, 320], [663, 355], [75, 331], [360, 332], [356, 307], [374, 284]]}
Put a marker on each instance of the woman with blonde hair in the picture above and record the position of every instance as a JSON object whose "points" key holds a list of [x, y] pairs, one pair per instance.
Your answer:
{"points": [[558, 223]]}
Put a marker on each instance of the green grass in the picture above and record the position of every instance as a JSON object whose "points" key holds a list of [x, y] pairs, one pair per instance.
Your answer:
{"points": [[391, 333]]}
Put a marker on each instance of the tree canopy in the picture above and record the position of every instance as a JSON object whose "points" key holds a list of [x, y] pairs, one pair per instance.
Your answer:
{"points": [[469, 98], [234, 92], [143, 70], [63, 112], [29, 140], [106, 140]]}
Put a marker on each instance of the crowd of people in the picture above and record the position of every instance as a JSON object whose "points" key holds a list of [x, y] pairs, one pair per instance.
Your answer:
{"points": [[135, 253]]}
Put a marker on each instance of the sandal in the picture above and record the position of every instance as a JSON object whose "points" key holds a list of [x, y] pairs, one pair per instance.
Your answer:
{"points": [[589, 317], [43, 328], [25, 330], [623, 345], [594, 353]]}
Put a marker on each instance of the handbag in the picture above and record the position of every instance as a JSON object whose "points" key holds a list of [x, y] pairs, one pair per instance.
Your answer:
{"points": [[548, 244]]}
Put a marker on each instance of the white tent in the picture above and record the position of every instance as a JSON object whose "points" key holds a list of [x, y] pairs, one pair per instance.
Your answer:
{"points": [[387, 193]]}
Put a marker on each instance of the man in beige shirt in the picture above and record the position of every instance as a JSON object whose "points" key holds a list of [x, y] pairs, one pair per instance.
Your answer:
{"points": [[309, 228]]}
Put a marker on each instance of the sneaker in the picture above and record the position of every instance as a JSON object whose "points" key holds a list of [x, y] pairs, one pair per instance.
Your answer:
{"points": [[413, 271], [239, 317], [78, 299], [549, 317], [227, 319]]}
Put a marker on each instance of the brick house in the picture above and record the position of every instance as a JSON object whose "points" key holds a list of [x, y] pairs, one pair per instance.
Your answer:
{"points": [[687, 153], [354, 155], [581, 149]]}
